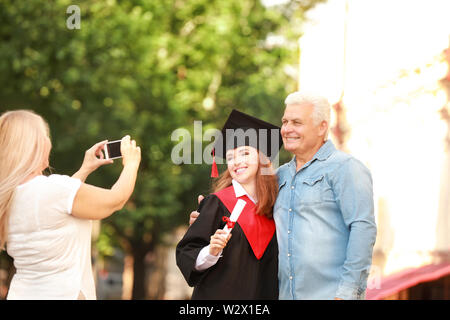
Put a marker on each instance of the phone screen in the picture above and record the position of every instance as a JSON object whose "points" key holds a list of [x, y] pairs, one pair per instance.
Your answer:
{"points": [[114, 149]]}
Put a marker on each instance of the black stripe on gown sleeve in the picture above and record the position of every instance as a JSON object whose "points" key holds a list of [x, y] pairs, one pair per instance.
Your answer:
{"points": [[198, 236]]}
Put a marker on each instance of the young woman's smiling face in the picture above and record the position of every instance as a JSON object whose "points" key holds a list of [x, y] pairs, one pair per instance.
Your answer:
{"points": [[243, 163]]}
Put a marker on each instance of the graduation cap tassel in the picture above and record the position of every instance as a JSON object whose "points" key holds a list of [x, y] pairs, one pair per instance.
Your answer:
{"points": [[214, 171]]}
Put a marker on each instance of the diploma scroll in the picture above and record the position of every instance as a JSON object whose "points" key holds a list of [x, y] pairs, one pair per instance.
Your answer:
{"points": [[235, 214]]}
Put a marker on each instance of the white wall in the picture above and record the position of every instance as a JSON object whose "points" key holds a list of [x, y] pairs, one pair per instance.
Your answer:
{"points": [[390, 76]]}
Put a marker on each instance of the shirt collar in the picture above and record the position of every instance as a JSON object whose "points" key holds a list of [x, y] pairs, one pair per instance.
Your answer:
{"points": [[239, 190], [325, 151]]}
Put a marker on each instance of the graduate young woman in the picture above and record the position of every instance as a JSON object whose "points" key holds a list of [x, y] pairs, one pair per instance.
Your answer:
{"points": [[242, 264]]}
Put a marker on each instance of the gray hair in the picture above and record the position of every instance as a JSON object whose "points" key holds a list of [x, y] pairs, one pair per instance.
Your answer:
{"points": [[322, 108]]}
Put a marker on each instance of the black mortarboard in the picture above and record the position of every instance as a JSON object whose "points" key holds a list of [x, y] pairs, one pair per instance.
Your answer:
{"points": [[242, 129]]}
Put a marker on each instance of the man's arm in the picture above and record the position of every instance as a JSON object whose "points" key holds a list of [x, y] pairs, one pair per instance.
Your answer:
{"points": [[194, 214], [354, 196]]}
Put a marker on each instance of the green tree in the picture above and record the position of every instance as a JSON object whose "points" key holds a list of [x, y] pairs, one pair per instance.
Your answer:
{"points": [[145, 68]]}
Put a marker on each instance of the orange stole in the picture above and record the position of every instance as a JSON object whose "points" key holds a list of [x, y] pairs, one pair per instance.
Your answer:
{"points": [[258, 230]]}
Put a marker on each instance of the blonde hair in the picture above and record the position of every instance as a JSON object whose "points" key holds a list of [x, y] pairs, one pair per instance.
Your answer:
{"points": [[24, 150]]}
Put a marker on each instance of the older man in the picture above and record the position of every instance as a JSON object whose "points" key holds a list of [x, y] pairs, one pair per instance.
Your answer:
{"points": [[324, 213]]}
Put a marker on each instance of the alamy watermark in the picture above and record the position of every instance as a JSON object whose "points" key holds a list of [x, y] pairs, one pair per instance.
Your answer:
{"points": [[182, 153], [74, 20]]}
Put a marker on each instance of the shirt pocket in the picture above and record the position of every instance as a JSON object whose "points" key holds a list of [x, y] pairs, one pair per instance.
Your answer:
{"points": [[311, 190], [316, 190], [281, 184]]}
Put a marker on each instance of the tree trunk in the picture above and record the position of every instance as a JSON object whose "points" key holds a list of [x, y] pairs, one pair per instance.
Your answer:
{"points": [[139, 272], [157, 271], [7, 271]]}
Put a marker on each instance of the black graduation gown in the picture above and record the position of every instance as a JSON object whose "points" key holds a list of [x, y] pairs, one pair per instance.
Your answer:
{"points": [[238, 274]]}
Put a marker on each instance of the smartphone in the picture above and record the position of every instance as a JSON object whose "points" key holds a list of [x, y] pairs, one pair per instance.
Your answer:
{"points": [[112, 150]]}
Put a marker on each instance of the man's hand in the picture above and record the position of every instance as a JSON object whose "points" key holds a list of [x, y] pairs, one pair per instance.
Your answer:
{"points": [[194, 214]]}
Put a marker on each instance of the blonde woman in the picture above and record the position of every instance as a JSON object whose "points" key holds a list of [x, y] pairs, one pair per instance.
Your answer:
{"points": [[45, 221]]}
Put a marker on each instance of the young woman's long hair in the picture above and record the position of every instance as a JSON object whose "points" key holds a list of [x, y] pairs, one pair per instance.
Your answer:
{"points": [[266, 186], [24, 150]]}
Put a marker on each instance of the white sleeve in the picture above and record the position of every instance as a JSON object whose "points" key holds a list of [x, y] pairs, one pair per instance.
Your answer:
{"points": [[63, 191], [206, 260]]}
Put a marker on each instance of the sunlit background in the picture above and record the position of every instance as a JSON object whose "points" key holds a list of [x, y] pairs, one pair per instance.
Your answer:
{"points": [[385, 63]]}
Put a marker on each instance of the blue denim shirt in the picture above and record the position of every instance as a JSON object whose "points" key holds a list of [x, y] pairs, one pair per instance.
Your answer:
{"points": [[325, 224]]}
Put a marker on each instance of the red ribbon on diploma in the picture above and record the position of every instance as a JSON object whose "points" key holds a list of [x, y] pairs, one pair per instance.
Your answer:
{"points": [[230, 224]]}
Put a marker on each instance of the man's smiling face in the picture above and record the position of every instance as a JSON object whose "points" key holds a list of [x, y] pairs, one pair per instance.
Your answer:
{"points": [[299, 132]]}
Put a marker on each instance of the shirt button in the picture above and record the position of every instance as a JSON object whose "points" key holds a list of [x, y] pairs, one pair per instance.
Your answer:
{"points": [[290, 209], [289, 231], [289, 254], [290, 277], [292, 187]]}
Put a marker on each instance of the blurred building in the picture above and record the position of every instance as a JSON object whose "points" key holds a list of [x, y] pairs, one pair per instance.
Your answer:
{"points": [[109, 276], [176, 287], [384, 65]]}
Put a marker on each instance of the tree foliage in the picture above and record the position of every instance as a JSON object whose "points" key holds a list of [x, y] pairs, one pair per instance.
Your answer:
{"points": [[145, 68]]}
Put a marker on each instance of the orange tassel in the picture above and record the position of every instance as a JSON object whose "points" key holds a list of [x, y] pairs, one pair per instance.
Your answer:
{"points": [[214, 171]]}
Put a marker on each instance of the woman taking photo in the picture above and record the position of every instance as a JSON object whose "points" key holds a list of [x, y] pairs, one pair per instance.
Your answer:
{"points": [[45, 221], [243, 264]]}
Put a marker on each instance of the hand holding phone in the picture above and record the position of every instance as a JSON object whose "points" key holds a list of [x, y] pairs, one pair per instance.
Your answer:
{"points": [[131, 153], [93, 158]]}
